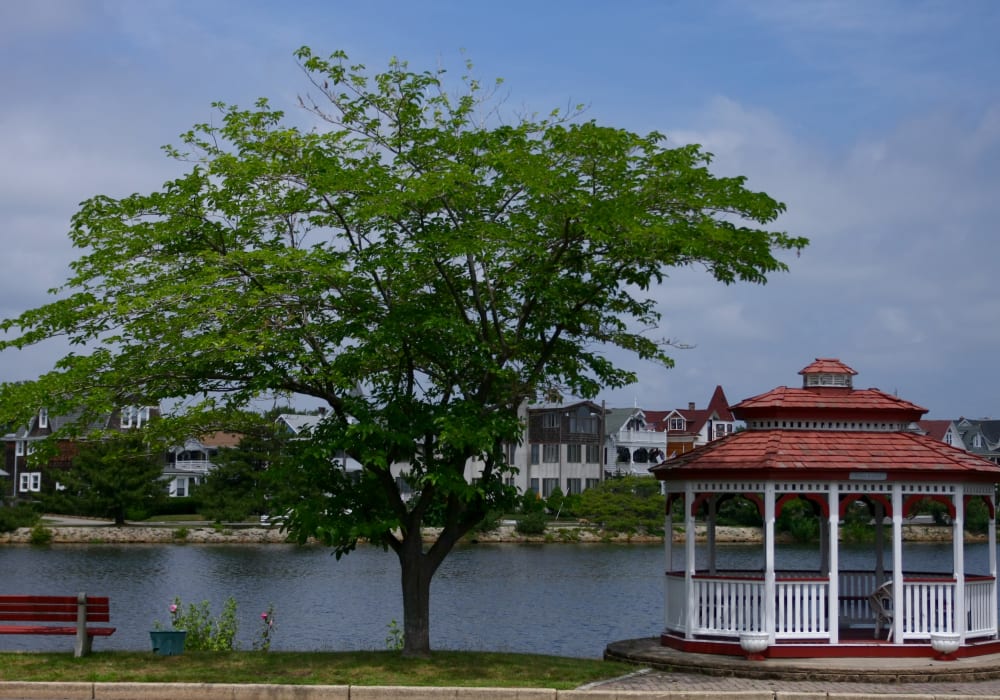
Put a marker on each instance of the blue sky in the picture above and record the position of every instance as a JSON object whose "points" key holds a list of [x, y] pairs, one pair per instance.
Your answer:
{"points": [[876, 122]]}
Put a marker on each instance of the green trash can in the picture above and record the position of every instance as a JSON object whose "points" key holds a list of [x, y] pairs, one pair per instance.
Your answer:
{"points": [[168, 642]]}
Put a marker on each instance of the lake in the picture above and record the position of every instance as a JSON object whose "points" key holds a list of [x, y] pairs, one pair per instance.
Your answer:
{"points": [[562, 599]]}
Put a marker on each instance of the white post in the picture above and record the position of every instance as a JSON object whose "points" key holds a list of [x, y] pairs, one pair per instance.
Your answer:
{"points": [[991, 530], [833, 536], [689, 559], [770, 584], [710, 532], [958, 548], [899, 611], [82, 646], [668, 556]]}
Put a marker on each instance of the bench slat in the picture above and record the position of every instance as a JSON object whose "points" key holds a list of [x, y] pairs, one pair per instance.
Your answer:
{"points": [[47, 609], [47, 629]]}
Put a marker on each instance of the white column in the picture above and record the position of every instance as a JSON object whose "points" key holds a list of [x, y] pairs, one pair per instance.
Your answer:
{"points": [[689, 559], [958, 548], [991, 530], [710, 532], [833, 537], [770, 585], [899, 611], [668, 557]]}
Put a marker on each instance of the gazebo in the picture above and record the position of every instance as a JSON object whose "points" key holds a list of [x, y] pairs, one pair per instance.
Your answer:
{"points": [[834, 447]]}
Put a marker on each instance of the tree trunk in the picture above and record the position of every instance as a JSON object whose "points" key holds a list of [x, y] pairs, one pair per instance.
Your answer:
{"points": [[417, 568], [416, 573]]}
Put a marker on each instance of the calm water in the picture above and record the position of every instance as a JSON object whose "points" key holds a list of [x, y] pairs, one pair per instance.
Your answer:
{"points": [[563, 599]]}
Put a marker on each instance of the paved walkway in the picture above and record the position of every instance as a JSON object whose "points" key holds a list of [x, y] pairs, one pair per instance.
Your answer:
{"points": [[652, 681], [672, 670]]}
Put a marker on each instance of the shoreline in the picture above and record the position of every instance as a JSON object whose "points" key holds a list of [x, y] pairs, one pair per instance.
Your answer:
{"points": [[99, 533]]}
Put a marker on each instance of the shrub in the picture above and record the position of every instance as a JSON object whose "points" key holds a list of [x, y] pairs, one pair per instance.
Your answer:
{"points": [[20, 515], [532, 523], [204, 632], [40, 535], [629, 504]]}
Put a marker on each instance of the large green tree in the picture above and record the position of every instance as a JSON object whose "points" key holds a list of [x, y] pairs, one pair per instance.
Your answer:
{"points": [[420, 260], [113, 477]]}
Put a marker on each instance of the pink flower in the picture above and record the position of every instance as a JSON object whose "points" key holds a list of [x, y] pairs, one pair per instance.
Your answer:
{"points": [[263, 616], [173, 607]]}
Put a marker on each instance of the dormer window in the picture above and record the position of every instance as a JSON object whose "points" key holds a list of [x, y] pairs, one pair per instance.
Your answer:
{"points": [[43, 418], [677, 424]]}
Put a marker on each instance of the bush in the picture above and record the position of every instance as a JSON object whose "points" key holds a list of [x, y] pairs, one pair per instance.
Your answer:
{"points": [[532, 523], [799, 520], [40, 535], [531, 503], [20, 515], [185, 505], [629, 504], [204, 632]]}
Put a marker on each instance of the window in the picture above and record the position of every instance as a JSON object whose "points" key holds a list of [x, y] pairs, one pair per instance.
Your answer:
{"points": [[180, 488], [583, 423], [574, 453], [548, 486], [640, 456], [404, 488], [19, 448], [720, 430], [593, 454], [43, 418], [534, 486], [573, 486], [550, 420], [591, 483], [550, 453], [510, 450], [534, 453], [977, 441], [31, 481], [947, 438], [677, 424]]}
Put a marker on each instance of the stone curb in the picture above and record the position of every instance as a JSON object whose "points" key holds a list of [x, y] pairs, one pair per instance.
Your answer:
{"points": [[222, 691]]}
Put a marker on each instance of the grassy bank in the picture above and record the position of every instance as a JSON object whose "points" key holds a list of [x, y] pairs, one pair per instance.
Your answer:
{"points": [[444, 668]]}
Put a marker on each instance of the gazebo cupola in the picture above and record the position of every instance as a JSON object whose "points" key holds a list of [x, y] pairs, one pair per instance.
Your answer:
{"points": [[835, 447]]}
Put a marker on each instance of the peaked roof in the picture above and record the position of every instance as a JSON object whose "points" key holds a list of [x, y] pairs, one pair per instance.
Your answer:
{"points": [[827, 365], [827, 398], [937, 429], [827, 454]]}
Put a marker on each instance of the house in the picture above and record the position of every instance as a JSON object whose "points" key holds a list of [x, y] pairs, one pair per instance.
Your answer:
{"points": [[188, 464], [981, 437], [944, 430], [28, 479], [636, 438], [563, 448]]}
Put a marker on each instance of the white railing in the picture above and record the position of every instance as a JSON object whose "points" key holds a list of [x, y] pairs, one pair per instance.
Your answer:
{"points": [[981, 604], [197, 466], [801, 610], [729, 603], [728, 606]]}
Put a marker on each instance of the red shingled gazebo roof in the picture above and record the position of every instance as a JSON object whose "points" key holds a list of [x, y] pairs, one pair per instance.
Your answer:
{"points": [[827, 454], [828, 432]]}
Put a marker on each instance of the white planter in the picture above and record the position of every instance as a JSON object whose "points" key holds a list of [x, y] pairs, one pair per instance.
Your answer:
{"points": [[754, 644], [945, 644]]}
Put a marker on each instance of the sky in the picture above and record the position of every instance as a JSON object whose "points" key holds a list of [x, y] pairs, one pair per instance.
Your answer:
{"points": [[876, 122]]}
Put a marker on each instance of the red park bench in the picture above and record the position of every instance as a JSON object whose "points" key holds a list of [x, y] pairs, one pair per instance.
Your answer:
{"points": [[46, 612]]}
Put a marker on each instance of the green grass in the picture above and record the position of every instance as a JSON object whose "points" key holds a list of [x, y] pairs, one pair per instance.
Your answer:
{"points": [[443, 668]]}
